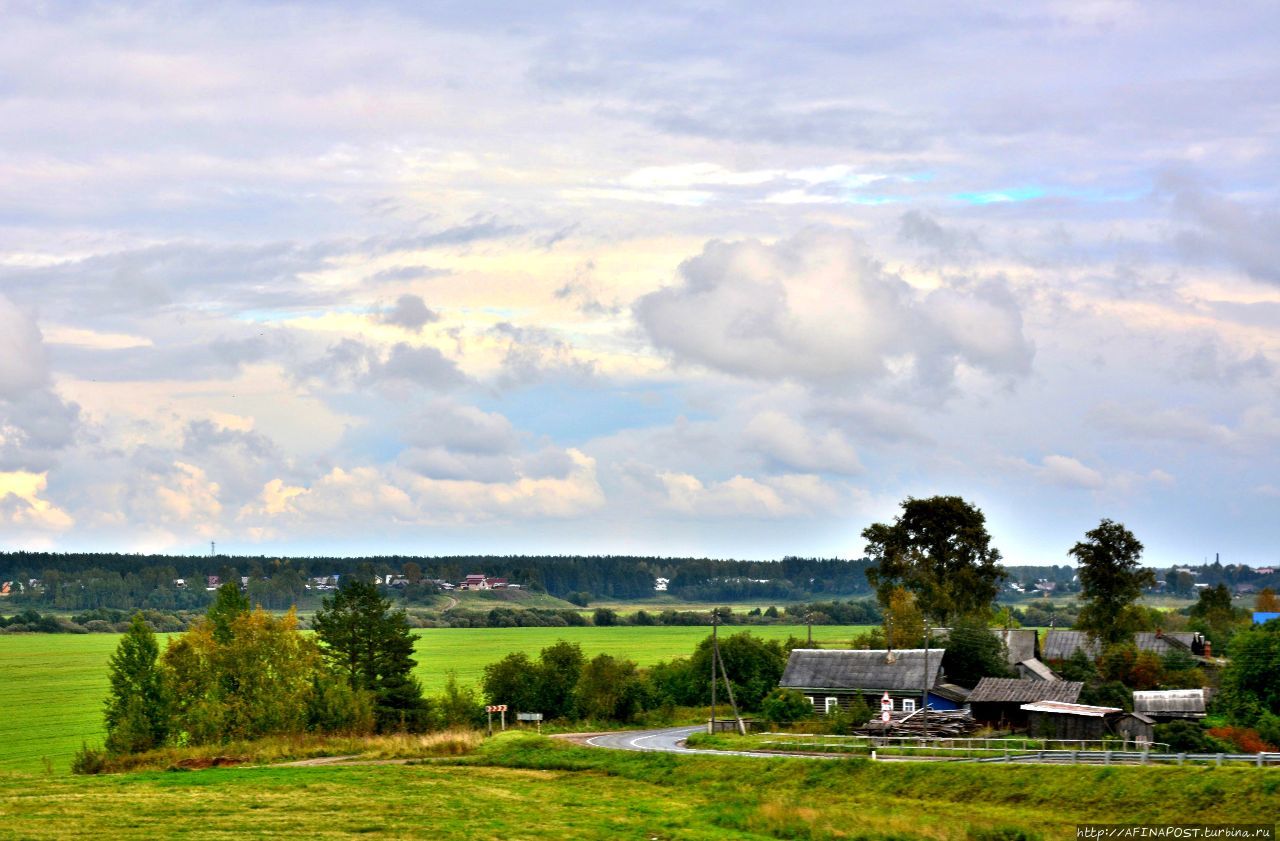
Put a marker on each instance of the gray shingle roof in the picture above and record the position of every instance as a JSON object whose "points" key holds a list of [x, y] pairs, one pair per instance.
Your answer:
{"points": [[1170, 702], [1010, 690], [1019, 642], [809, 668], [1060, 645]]}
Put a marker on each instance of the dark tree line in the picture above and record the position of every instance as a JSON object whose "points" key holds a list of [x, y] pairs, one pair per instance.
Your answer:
{"points": [[86, 581]]}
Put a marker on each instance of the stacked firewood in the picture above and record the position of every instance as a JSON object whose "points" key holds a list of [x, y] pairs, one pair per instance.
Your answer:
{"points": [[938, 724]]}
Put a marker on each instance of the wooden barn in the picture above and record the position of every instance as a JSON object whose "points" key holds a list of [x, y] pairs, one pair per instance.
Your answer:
{"points": [[1058, 720], [831, 679], [1170, 704], [999, 701]]}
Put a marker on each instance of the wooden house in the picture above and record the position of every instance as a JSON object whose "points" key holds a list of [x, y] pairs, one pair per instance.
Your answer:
{"points": [[1170, 704], [831, 679], [1000, 701], [1061, 645]]}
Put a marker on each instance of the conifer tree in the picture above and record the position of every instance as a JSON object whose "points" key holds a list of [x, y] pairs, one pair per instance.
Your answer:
{"points": [[372, 647], [137, 709]]}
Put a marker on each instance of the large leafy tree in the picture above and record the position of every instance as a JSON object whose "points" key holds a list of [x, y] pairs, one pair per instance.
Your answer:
{"points": [[372, 646], [262, 681], [938, 549], [1111, 580], [754, 667], [138, 706]]}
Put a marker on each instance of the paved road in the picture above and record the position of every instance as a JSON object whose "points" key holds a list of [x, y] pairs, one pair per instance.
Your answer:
{"points": [[672, 740]]}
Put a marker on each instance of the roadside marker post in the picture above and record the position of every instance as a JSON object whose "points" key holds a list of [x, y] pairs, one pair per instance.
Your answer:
{"points": [[501, 709]]}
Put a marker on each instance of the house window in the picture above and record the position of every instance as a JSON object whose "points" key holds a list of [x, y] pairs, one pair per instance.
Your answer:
{"points": [[908, 705], [832, 704]]}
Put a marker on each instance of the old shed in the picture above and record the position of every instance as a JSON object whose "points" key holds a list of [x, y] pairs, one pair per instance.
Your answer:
{"points": [[999, 701]]}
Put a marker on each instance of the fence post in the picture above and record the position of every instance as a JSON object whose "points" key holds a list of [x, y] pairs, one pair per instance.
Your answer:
{"points": [[1218, 760], [1259, 759], [1181, 757], [1106, 757]]}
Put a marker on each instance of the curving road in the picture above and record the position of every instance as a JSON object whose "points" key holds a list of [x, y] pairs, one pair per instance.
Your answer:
{"points": [[672, 740]]}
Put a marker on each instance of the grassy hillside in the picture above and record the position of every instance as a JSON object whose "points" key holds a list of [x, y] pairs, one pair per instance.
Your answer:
{"points": [[531, 788], [52, 685]]}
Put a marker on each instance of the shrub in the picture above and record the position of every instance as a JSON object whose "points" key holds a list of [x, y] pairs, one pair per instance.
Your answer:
{"points": [[1244, 739], [89, 760], [785, 706]]}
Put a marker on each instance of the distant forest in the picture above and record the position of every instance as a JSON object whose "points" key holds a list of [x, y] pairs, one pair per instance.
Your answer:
{"points": [[89, 581], [80, 581]]}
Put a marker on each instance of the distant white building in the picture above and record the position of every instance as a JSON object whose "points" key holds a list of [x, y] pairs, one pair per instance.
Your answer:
{"points": [[660, 584]]}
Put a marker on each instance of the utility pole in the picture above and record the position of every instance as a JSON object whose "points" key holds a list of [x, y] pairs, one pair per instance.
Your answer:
{"points": [[715, 649], [742, 727], [924, 694]]}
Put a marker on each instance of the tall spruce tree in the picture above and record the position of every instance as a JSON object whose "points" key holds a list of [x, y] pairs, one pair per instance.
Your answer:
{"points": [[138, 707], [372, 647]]}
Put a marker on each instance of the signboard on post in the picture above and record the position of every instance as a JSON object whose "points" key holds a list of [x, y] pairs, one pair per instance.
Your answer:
{"points": [[886, 708], [534, 717]]}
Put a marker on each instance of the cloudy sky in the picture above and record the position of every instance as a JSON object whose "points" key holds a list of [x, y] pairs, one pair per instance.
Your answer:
{"points": [[710, 279]]}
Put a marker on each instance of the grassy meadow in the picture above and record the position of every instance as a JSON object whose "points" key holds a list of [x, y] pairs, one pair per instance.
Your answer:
{"points": [[526, 787], [52, 685]]}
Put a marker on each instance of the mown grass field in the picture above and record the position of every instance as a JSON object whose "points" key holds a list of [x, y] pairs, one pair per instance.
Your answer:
{"points": [[522, 787], [52, 685]]}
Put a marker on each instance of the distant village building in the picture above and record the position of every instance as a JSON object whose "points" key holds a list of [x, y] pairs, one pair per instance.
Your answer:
{"points": [[212, 582], [478, 581], [1060, 645], [660, 584], [1266, 570], [1169, 704], [832, 679], [998, 701]]}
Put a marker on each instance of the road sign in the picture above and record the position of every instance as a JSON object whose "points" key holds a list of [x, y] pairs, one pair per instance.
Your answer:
{"points": [[886, 708], [529, 716], [496, 708]]}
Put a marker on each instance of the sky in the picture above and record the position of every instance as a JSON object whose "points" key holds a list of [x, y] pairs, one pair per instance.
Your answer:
{"points": [[714, 279]]}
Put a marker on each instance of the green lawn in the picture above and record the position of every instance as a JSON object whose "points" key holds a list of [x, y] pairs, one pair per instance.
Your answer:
{"points": [[523, 787], [52, 685]]}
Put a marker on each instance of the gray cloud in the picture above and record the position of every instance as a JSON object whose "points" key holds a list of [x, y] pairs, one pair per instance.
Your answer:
{"points": [[410, 313], [350, 363], [1242, 235], [819, 308]]}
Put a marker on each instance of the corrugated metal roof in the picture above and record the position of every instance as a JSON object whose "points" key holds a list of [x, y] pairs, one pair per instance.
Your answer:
{"points": [[1070, 709], [1170, 702], [810, 668], [1060, 645], [1003, 690]]}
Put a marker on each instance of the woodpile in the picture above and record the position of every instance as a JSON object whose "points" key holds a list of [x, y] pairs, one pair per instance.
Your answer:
{"points": [[938, 724]]}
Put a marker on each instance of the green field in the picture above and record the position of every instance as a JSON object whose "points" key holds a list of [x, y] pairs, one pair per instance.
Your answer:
{"points": [[52, 685], [526, 787]]}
